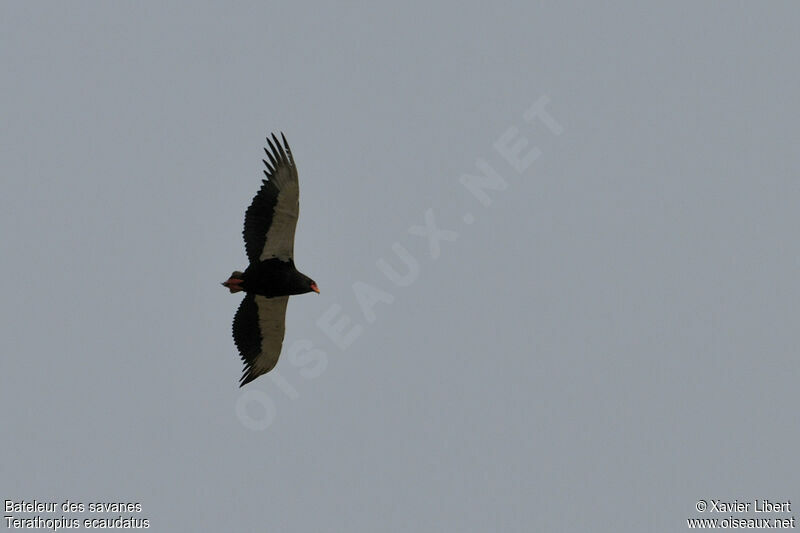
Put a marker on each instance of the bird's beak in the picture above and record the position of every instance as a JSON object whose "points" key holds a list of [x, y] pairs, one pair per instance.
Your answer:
{"points": [[315, 288]]}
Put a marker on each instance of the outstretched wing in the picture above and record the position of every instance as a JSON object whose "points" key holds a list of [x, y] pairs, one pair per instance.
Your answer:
{"points": [[270, 220], [258, 329]]}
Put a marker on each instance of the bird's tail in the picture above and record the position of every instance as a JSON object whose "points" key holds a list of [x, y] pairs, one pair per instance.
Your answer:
{"points": [[234, 283]]}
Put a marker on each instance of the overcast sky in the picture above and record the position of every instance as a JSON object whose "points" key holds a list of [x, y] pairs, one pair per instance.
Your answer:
{"points": [[600, 330]]}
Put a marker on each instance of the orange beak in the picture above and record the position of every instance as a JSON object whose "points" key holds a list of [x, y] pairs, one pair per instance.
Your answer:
{"points": [[315, 288]]}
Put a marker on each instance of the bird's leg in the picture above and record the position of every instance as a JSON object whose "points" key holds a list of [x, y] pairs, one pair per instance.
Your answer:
{"points": [[234, 283]]}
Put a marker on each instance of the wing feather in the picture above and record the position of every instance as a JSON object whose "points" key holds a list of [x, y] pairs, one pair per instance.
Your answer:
{"points": [[258, 330], [271, 219]]}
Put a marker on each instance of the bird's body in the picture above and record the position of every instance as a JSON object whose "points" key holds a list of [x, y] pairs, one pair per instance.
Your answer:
{"points": [[271, 276]]}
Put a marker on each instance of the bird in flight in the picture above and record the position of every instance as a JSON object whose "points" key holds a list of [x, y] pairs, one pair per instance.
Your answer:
{"points": [[271, 276]]}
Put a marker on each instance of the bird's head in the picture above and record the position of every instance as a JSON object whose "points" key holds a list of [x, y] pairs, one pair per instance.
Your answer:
{"points": [[303, 284], [306, 284]]}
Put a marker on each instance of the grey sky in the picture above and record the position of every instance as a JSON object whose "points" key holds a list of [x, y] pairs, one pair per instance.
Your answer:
{"points": [[614, 338]]}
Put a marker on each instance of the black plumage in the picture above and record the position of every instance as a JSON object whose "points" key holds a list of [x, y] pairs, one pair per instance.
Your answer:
{"points": [[271, 276]]}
